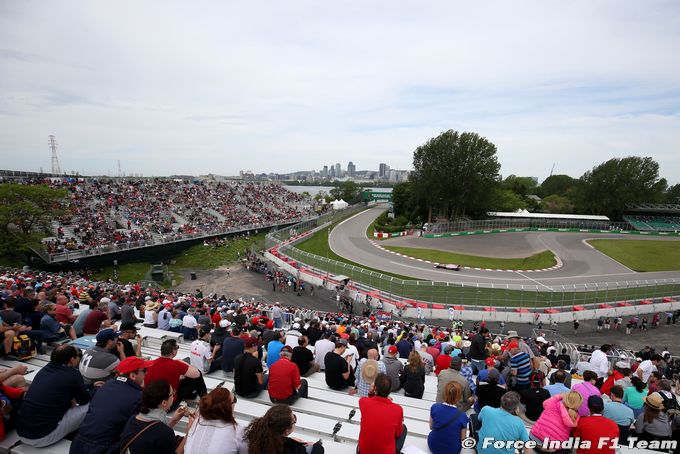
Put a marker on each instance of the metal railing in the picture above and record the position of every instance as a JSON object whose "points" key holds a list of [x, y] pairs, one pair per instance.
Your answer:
{"points": [[486, 224], [470, 295]]}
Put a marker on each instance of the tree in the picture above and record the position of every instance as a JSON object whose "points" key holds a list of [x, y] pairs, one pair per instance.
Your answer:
{"points": [[405, 202], [455, 173], [347, 191], [522, 186], [25, 215], [557, 204], [615, 184], [673, 194], [508, 201], [557, 184]]}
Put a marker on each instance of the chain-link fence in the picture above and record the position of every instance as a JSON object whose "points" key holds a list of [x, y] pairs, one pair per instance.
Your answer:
{"points": [[510, 223], [481, 294]]}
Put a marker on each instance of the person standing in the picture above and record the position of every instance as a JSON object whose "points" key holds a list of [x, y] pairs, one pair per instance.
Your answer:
{"points": [[382, 421]]}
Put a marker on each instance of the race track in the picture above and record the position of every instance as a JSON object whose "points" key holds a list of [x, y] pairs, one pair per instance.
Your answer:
{"points": [[581, 264]]}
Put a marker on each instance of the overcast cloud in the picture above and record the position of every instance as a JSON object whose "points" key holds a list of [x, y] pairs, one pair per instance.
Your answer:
{"points": [[195, 87]]}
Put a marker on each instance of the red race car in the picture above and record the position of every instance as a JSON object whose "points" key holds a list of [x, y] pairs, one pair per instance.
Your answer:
{"points": [[447, 266]]}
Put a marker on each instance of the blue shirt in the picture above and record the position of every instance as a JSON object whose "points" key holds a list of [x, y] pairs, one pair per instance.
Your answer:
{"points": [[273, 352], [522, 363], [445, 435], [557, 388], [231, 348], [497, 425], [619, 413], [50, 325]]}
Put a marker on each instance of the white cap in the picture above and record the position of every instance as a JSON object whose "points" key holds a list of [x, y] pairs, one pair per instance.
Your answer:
{"points": [[541, 339], [224, 323], [296, 326], [105, 300]]}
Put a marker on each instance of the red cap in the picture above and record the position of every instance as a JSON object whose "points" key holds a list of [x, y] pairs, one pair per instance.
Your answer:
{"points": [[270, 324], [513, 345], [392, 350], [132, 364], [344, 336], [490, 361]]}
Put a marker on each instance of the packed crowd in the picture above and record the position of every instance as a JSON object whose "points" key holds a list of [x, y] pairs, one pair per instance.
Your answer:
{"points": [[501, 386], [106, 213]]}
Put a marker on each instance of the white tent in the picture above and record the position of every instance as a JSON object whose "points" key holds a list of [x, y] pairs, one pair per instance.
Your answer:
{"points": [[339, 204]]}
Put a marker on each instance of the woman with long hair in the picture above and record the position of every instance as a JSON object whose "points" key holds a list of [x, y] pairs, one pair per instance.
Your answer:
{"points": [[151, 430], [448, 425], [269, 434], [413, 376], [634, 396], [214, 430], [559, 417], [653, 423]]}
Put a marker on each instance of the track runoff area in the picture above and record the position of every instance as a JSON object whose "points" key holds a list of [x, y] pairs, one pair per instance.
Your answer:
{"points": [[579, 264]]}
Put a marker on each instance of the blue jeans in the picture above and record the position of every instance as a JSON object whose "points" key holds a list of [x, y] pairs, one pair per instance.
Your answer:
{"points": [[477, 364]]}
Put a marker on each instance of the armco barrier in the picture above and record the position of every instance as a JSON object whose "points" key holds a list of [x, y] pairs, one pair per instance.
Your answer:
{"points": [[547, 229]]}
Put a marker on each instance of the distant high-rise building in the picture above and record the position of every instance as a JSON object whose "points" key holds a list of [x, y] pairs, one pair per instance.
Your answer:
{"points": [[331, 172], [324, 172], [351, 169], [384, 171]]}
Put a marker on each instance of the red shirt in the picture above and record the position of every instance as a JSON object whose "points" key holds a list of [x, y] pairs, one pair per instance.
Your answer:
{"points": [[594, 429], [217, 317], [93, 322], [381, 424], [284, 378], [63, 314], [167, 369]]}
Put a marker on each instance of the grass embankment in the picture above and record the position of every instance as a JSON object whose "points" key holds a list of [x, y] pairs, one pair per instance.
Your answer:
{"points": [[470, 295], [642, 255], [539, 261], [196, 257]]}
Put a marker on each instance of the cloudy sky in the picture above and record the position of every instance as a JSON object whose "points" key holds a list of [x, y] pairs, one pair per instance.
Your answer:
{"points": [[196, 87]]}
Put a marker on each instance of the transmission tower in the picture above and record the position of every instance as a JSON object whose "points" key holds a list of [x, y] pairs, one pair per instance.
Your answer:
{"points": [[55, 160]]}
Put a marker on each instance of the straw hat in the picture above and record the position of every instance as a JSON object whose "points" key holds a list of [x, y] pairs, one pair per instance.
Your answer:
{"points": [[655, 401], [151, 305], [369, 370]]}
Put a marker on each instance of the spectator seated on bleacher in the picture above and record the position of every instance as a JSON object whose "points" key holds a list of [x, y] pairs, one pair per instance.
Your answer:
{"points": [[128, 331], [172, 370], [394, 367], [489, 392], [190, 325], [337, 367], [270, 434], [47, 414], [448, 424], [621, 414], [151, 431], [202, 354], [214, 430], [367, 369], [285, 385], [52, 329], [595, 428], [99, 363], [97, 319], [274, 348], [453, 374], [304, 358], [382, 421], [110, 409], [412, 377], [249, 377]]}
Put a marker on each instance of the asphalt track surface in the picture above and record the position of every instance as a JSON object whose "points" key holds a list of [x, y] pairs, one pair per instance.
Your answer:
{"points": [[581, 264]]}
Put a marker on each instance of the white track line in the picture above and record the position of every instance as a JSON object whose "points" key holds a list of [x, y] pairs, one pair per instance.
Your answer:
{"points": [[534, 280]]}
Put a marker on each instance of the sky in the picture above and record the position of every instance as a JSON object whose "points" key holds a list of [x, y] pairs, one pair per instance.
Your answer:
{"points": [[177, 87]]}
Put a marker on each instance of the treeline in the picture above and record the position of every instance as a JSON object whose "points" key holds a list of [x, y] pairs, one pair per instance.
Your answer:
{"points": [[458, 174]]}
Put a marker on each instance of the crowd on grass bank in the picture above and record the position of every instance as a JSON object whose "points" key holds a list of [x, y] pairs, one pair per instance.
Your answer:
{"points": [[103, 213], [502, 386]]}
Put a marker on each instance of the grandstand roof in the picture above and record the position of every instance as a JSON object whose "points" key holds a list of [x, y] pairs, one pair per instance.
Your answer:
{"points": [[669, 208], [526, 215]]}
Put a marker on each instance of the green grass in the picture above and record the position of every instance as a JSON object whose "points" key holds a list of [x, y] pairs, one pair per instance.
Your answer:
{"points": [[127, 272], [539, 261], [469, 295], [642, 255]]}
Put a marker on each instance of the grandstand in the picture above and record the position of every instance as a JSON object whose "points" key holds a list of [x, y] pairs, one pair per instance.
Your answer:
{"points": [[332, 416], [648, 217], [110, 215]]}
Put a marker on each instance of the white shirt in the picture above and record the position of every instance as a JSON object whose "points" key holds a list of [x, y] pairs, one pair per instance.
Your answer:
{"points": [[292, 337], [149, 318], [600, 363], [215, 437], [200, 355], [189, 321], [647, 368], [352, 350], [321, 347]]}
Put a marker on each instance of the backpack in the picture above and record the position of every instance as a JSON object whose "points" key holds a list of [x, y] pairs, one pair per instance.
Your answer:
{"points": [[669, 403], [23, 347]]}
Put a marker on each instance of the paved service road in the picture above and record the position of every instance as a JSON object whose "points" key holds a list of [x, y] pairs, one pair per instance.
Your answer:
{"points": [[581, 263]]}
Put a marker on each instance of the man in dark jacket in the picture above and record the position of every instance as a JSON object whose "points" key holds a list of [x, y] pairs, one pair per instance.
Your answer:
{"points": [[111, 407], [231, 348], [46, 415], [477, 352]]}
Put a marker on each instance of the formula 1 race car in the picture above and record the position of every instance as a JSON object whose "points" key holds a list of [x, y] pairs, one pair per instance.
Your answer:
{"points": [[447, 266]]}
